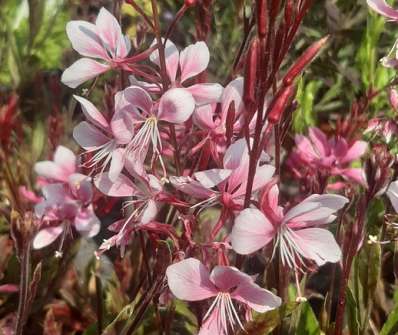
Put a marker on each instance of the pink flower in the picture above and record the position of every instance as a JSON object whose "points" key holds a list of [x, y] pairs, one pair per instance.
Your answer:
{"points": [[227, 185], [103, 40], [191, 281], [296, 233], [332, 157], [191, 61], [381, 7]]}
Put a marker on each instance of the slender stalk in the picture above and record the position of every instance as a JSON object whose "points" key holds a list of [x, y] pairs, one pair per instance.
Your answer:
{"points": [[99, 307]]}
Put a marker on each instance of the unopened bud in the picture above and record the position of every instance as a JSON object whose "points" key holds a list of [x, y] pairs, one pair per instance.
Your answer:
{"points": [[262, 18], [190, 3], [252, 58], [280, 104]]}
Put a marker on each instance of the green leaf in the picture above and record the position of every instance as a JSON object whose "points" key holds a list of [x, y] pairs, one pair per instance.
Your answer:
{"points": [[352, 313], [391, 325], [369, 269], [308, 323]]}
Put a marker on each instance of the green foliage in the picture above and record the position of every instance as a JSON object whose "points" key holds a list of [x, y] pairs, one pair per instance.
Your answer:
{"points": [[391, 325], [308, 323]]}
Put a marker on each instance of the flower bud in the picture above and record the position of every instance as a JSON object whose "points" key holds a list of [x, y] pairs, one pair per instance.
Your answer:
{"points": [[280, 104], [252, 59], [190, 3]]}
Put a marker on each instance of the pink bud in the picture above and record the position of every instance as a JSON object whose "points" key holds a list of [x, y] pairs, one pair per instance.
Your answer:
{"points": [[190, 3], [393, 98]]}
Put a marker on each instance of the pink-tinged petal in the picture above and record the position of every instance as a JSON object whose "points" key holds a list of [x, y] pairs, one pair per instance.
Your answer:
{"points": [[176, 106], [320, 141], [85, 40], [213, 177], [354, 174], [257, 298], [213, 324], [203, 117], [149, 87], [340, 147], [122, 186], [91, 113], [262, 177], [81, 187], [87, 223], [82, 70], [47, 236], [66, 159], [251, 231], [9, 288], [137, 97], [50, 170], [190, 280], [333, 201], [355, 152], [194, 60], [150, 212], [172, 57], [227, 277], [29, 195], [117, 164], [305, 149], [206, 93], [381, 7], [317, 244], [122, 126], [232, 94], [392, 193], [269, 204], [236, 154], [110, 32], [89, 137], [191, 187]]}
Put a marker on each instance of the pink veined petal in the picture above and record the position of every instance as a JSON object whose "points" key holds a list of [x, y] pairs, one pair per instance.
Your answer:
{"points": [[50, 170], [355, 174], [251, 231], [117, 164], [227, 277], [213, 177], [340, 147], [194, 59], [203, 117], [109, 30], [122, 126], [176, 106], [137, 97], [91, 113], [232, 94], [172, 57], [46, 236], [66, 159], [333, 201], [87, 223], [85, 40], [271, 208], [212, 325], [150, 212], [191, 187], [236, 154], [392, 193], [257, 298], [320, 141], [81, 187], [82, 70], [88, 136], [149, 87], [317, 244], [190, 280], [262, 177], [122, 186], [355, 152], [305, 149], [381, 7], [206, 93]]}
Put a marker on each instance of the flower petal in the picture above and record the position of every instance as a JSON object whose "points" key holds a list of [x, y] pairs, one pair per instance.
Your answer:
{"points": [[232, 94], [355, 152], [194, 59], [191, 187], [381, 7], [82, 70], [117, 164], [122, 125], [122, 186], [190, 280], [206, 93], [251, 231], [91, 113], [392, 193], [66, 159], [50, 170], [227, 277], [320, 141], [213, 177], [89, 137], [46, 236], [172, 57], [176, 106], [87, 223]]}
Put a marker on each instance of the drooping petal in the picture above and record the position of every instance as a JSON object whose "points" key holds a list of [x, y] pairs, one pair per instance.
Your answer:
{"points": [[65, 158], [203, 117], [172, 56], [251, 231], [354, 152], [320, 141], [88, 136], [259, 299], [317, 244], [206, 93], [190, 280], [232, 94], [46, 236], [176, 106], [85, 39], [117, 163], [381, 7], [194, 59], [355, 174], [82, 70], [122, 186], [392, 193], [213, 177], [50, 170], [91, 113], [150, 212], [87, 223]]}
